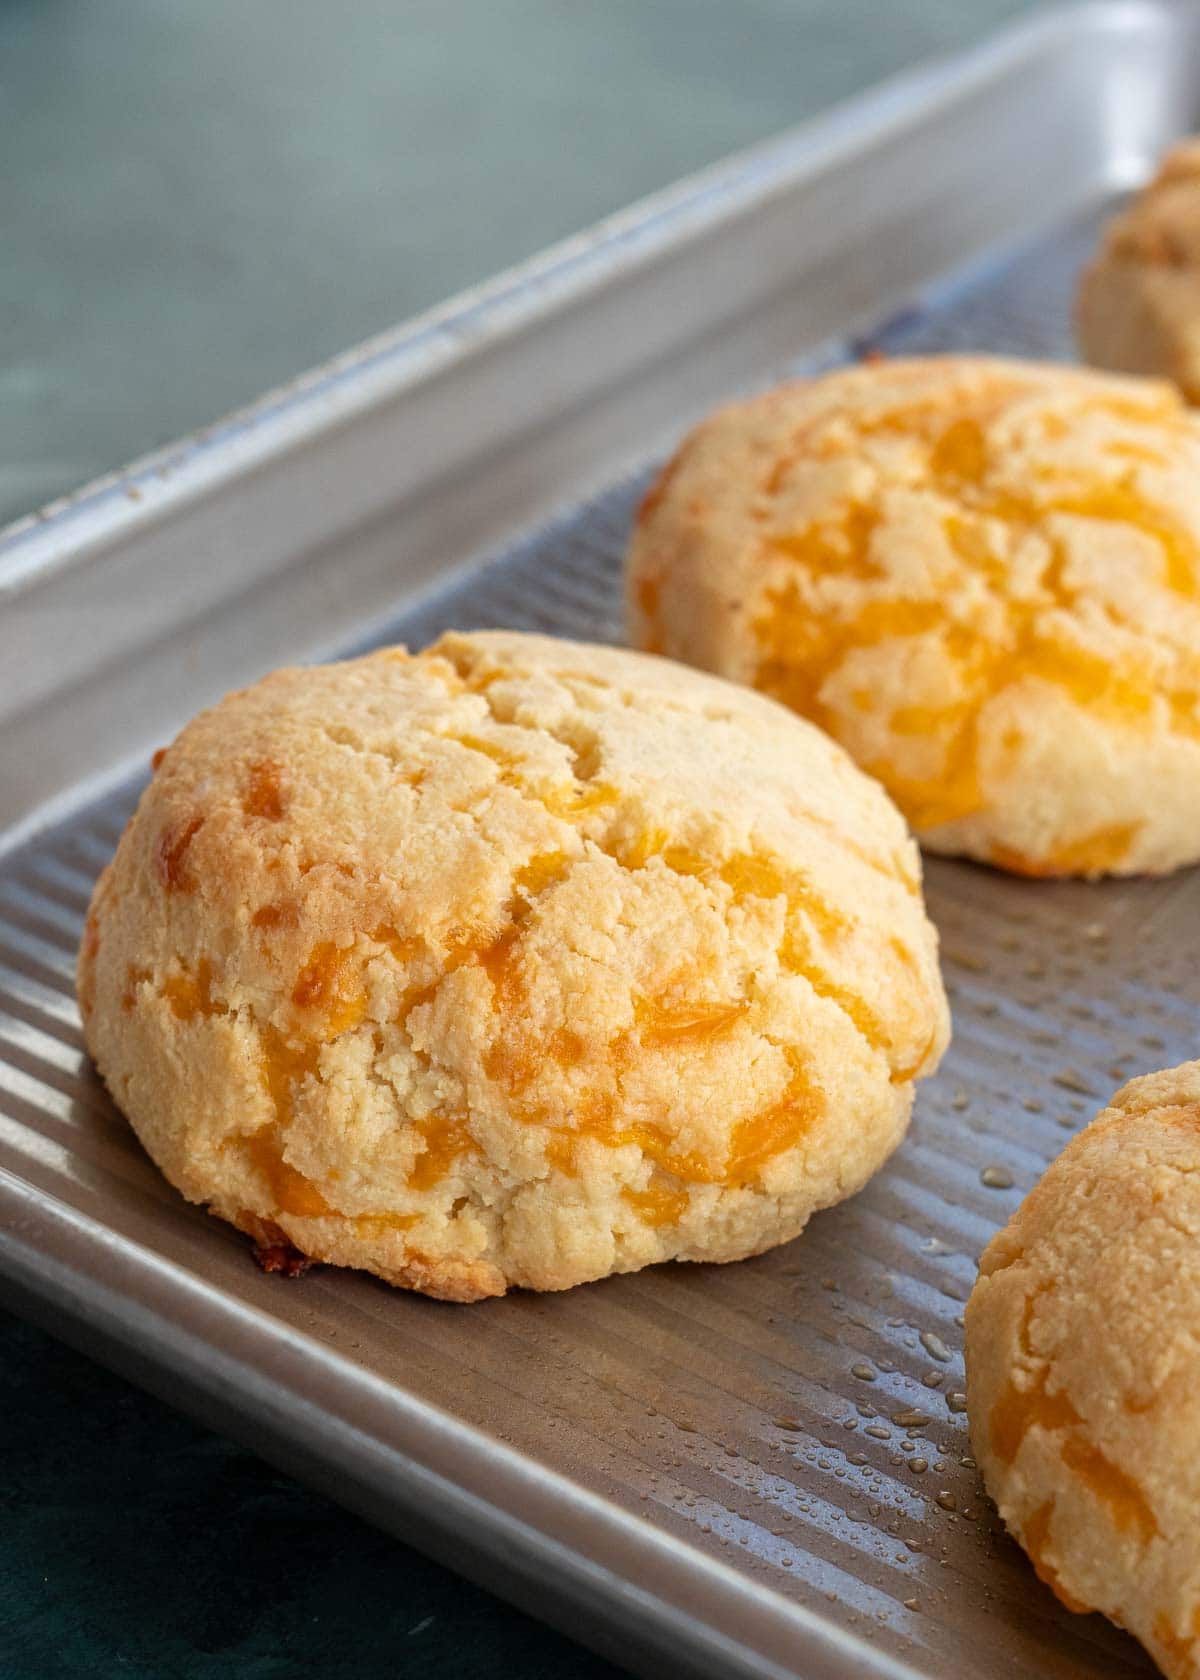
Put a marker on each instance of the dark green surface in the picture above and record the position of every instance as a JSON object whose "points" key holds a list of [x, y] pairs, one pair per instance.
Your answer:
{"points": [[199, 199], [136, 1544]]}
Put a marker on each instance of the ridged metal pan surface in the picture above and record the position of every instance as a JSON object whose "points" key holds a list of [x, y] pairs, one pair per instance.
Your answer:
{"points": [[759, 1469]]}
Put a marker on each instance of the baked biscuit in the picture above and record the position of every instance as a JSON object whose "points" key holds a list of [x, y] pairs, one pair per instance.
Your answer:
{"points": [[1138, 304], [514, 962], [1083, 1368], [981, 576]]}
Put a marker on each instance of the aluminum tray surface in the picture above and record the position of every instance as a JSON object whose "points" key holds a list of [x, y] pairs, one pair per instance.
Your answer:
{"points": [[762, 1468]]}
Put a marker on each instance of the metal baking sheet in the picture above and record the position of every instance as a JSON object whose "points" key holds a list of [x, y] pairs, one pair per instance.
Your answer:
{"points": [[753, 1470]]}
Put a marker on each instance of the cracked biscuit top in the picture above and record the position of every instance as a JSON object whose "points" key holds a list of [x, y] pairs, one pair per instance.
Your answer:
{"points": [[981, 576], [1083, 1368], [512, 962]]}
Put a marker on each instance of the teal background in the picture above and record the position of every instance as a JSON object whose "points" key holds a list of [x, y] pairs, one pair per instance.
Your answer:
{"points": [[199, 199]]}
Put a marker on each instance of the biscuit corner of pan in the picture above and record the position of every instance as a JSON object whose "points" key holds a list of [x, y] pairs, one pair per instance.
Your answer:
{"points": [[1083, 1368]]}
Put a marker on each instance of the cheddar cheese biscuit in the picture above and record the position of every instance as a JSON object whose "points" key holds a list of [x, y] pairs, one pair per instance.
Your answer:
{"points": [[513, 962], [1138, 304], [981, 576], [1083, 1368]]}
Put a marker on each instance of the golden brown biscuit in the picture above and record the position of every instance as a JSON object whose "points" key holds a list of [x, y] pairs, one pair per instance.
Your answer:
{"points": [[1138, 304], [1083, 1368], [982, 577], [516, 962]]}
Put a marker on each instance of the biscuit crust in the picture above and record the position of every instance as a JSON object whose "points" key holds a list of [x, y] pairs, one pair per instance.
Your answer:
{"points": [[1137, 309], [1083, 1368], [514, 962], [981, 576]]}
